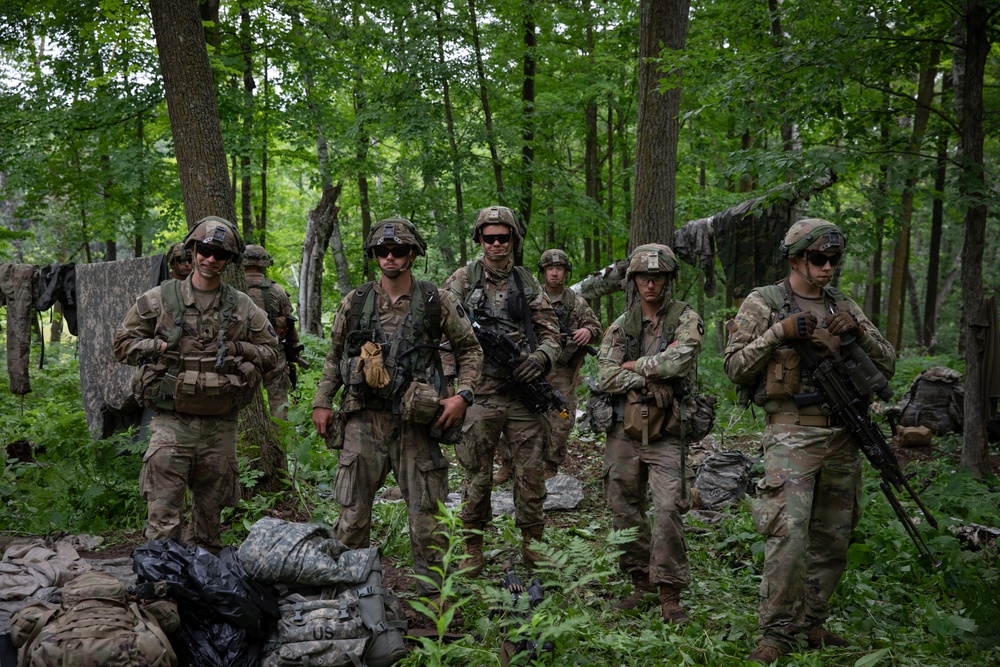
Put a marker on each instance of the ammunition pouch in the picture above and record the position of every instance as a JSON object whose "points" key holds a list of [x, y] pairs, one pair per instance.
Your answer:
{"points": [[644, 420], [198, 388], [783, 376], [420, 403]]}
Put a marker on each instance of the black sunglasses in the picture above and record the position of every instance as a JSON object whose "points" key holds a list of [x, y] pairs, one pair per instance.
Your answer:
{"points": [[819, 260], [206, 250], [396, 251], [490, 239], [183, 259]]}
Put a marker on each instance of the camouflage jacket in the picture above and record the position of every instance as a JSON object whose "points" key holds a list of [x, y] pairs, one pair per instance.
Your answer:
{"points": [[675, 362], [280, 305], [543, 319], [147, 325], [455, 326], [573, 313], [755, 334]]}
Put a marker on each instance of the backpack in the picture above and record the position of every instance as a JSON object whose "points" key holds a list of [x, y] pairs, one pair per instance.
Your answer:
{"points": [[723, 479], [96, 626], [936, 400]]}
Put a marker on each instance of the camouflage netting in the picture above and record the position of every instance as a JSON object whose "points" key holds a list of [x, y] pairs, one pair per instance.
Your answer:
{"points": [[105, 292]]}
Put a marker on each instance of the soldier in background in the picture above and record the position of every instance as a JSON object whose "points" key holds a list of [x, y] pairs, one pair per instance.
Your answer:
{"points": [[384, 349], [578, 327], [807, 503], [647, 359], [201, 347], [274, 300], [179, 260], [505, 298]]}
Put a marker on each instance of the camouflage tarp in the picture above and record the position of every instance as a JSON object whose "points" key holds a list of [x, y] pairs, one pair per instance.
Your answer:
{"points": [[304, 554], [105, 291]]}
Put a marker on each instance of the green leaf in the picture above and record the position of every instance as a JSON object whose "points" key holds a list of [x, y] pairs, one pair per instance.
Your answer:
{"points": [[871, 658]]}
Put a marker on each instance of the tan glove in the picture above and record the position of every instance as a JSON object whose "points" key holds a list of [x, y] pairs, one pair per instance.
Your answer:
{"points": [[239, 349], [843, 323], [799, 325], [370, 363], [662, 392], [532, 368]]}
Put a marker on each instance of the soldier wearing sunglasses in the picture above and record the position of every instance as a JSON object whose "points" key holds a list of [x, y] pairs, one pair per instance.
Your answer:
{"points": [[179, 259], [808, 500]]}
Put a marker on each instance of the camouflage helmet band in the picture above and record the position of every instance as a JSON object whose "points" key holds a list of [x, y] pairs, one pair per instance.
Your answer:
{"points": [[395, 231], [554, 257]]}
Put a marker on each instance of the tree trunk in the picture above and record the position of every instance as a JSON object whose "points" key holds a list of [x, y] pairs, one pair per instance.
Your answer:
{"points": [[937, 225], [485, 98], [319, 232], [201, 167], [901, 254], [246, 192], [973, 189], [456, 163], [528, 116], [662, 25]]}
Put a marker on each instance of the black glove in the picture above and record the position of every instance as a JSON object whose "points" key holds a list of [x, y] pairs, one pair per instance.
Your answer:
{"points": [[799, 325], [843, 323], [532, 368]]}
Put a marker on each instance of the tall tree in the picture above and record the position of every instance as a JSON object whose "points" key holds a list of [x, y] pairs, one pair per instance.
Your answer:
{"points": [[662, 26], [201, 165]]}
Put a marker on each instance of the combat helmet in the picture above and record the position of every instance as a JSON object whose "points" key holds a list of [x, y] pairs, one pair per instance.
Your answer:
{"points": [[812, 234], [498, 215], [652, 258], [256, 257], [177, 252], [554, 257], [215, 231], [396, 231]]}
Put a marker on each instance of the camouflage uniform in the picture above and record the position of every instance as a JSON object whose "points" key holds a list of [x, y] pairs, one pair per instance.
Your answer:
{"points": [[573, 313], [808, 500], [177, 254], [376, 440], [276, 382], [17, 282], [658, 556], [187, 450], [494, 414]]}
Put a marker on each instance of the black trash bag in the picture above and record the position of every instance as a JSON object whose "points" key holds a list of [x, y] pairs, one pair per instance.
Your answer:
{"points": [[224, 614]]}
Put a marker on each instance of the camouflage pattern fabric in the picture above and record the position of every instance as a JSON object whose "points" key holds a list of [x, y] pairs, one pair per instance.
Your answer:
{"points": [[375, 442], [303, 554], [105, 291], [722, 479], [630, 468], [807, 501], [526, 432], [188, 450], [17, 282], [277, 382], [565, 375]]}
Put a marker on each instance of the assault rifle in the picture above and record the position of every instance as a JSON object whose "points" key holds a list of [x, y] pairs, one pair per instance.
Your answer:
{"points": [[844, 388], [526, 650], [538, 395], [567, 336], [292, 351]]}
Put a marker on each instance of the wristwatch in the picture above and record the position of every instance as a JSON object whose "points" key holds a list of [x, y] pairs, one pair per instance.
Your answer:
{"points": [[467, 395]]}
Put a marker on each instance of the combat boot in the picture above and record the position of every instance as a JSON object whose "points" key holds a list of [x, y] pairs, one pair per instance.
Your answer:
{"points": [[472, 566], [529, 534], [819, 637], [551, 470], [641, 587], [765, 654], [505, 472], [670, 605]]}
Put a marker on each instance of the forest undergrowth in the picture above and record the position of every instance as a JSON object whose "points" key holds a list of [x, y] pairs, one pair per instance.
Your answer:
{"points": [[895, 609]]}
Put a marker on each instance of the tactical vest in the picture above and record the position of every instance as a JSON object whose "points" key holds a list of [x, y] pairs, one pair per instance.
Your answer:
{"points": [[513, 314], [419, 331], [265, 296], [632, 328], [778, 298], [208, 385]]}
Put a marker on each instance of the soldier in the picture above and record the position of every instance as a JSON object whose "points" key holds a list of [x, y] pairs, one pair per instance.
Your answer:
{"points": [[808, 500], [179, 259], [648, 358], [384, 347], [578, 327], [201, 347], [506, 299], [274, 300]]}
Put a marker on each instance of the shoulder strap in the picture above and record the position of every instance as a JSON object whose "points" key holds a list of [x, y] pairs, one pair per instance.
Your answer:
{"points": [[773, 296], [518, 274], [362, 306], [265, 295], [432, 310], [173, 304]]}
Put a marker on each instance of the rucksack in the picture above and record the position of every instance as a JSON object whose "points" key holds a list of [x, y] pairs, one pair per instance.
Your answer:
{"points": [[936, 400], [96, 626], [723, 479]]}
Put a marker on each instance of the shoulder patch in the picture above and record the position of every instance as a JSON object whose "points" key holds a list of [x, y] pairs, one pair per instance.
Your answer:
{"points": [[701, 327], [460, 311], [146, 306], [732, 327]]}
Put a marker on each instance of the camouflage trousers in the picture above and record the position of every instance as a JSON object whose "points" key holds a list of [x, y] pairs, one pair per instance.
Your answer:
{"points": [[487, 419], [631, 474], [807, 504], [565, 379], [277, 384], [373, 445], [16, 284], [189, 452]]}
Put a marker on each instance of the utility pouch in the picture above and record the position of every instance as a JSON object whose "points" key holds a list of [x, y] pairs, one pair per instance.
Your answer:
{"points": [[354, 378], [644, 420], [783, 375], [420, 403], [335, 431], [146, 383], [699, 413]]}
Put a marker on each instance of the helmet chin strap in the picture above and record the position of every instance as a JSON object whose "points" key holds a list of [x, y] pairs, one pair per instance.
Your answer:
{"points": [[807, 276]]}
